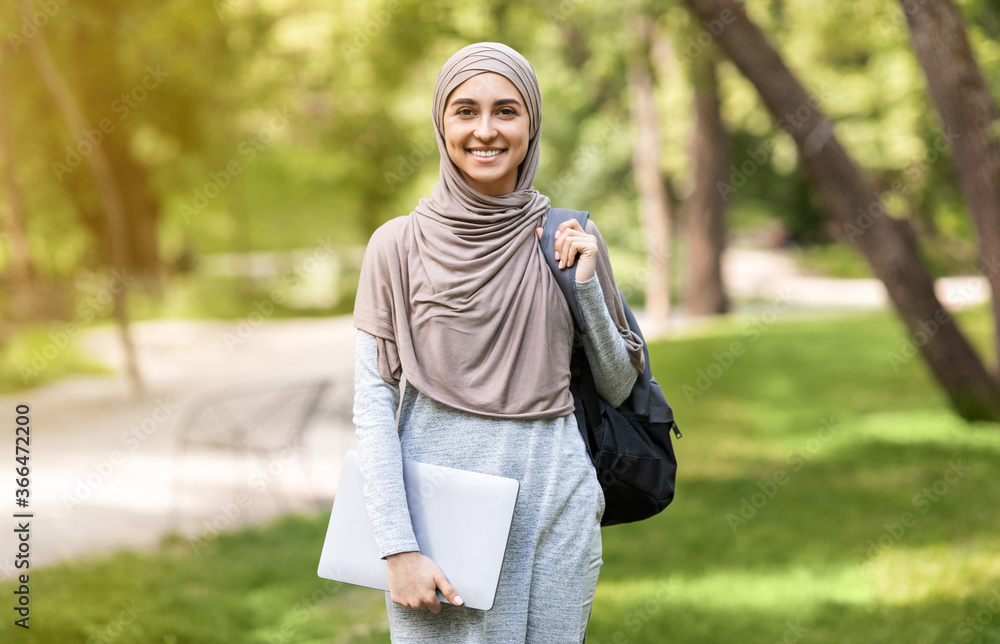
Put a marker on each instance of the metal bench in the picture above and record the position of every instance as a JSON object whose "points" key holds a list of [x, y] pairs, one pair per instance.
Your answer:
{"points": [[259, 421]]}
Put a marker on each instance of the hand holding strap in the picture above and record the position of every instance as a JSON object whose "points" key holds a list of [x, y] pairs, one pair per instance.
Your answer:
{"points": [[565, 277]]}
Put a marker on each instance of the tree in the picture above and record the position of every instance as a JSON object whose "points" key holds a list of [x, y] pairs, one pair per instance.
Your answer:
{"points": [[654, 203], [22, 270], [888, 244], [703, 213], [963, 100], [107, 184]]}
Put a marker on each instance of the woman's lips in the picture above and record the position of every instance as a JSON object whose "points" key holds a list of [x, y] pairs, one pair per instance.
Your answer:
{"points": [[491, 155]]}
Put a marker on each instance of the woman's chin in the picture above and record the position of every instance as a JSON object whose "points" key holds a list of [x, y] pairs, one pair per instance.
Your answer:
{"points": [[491, 183]]}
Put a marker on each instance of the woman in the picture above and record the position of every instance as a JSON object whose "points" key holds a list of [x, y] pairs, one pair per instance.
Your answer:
{"points": [[457, 297]]}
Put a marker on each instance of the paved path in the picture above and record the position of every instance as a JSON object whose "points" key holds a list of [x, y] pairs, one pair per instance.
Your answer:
{"points": [[756, 278], [104, 462], [770, 275]]}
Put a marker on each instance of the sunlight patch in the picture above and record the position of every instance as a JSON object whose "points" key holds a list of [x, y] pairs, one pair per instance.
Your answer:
{"points": [[908, 575], [927, 427], [797, 590]]}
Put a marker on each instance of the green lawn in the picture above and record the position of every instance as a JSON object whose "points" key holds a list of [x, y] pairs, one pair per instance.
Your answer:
{"points": [[822, 498], [36, 355]]}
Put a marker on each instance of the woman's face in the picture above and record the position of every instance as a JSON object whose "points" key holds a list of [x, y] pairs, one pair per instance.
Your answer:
{"points": [[486, 127]]}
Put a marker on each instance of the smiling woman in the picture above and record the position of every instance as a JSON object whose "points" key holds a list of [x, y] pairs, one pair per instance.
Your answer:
{"points": [[458, 297], [486, 131]]}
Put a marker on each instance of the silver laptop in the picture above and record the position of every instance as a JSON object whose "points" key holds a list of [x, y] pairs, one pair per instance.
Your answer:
{"points": [[461, 520]]}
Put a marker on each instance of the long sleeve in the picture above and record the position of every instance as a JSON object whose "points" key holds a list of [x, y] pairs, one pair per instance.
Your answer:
{"points": [[607, 354], [375, 403]]}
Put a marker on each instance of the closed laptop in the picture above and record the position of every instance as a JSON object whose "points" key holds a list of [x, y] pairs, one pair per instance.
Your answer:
{"points": [[461, 520]]}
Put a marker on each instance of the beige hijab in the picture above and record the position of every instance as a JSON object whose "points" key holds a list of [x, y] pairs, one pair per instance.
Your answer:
{"points": [[458, 294]]}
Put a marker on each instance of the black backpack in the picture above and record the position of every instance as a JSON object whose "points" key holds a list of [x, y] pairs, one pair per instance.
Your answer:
{"points": [[629, 445]]}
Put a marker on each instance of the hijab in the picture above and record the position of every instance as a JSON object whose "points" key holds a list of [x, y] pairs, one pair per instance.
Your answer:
{"points": [[458, 294]]}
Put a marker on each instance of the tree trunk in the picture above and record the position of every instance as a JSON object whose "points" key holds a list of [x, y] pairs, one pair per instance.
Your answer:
{"points": [[22, 271], [703, 215], [143, 214], [654, 204], [888, 244], [114, 212], [963, 100]]}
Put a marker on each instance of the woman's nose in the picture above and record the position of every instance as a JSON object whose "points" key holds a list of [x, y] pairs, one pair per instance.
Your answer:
{"points": [[485, 130]]}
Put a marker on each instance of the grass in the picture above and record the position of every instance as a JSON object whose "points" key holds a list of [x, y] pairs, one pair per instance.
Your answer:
{"points": [[869, 516], [36, 355], [830, 449]]}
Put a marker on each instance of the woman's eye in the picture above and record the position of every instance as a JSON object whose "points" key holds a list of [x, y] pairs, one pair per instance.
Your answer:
{"points": [[506, 111], [465, 111]]}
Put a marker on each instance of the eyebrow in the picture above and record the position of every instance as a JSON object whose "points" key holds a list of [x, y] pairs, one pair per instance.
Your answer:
{"points": [[499, 101]]}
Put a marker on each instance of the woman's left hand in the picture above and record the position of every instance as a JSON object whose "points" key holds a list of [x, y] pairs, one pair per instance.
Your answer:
{"points": [[574, 245]]}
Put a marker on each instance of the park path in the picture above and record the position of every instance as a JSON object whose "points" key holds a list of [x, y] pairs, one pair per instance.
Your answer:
{"points": [[103, 461], [97, 485]]}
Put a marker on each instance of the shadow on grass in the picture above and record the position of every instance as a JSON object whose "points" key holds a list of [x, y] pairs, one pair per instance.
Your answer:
{"points": [[869, 543], [691, 621], [827, 512]]}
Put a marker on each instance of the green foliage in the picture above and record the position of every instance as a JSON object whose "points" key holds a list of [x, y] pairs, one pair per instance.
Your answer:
{"points": [[207, 169], [194, 297], [37, 355], [833, 260], [858, 445]]}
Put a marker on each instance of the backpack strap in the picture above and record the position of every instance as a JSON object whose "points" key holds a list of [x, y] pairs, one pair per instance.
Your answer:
{"points": [[565, 277]]}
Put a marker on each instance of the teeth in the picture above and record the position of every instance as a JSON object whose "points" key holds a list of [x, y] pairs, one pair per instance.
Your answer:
{"points": [[485, 153]]}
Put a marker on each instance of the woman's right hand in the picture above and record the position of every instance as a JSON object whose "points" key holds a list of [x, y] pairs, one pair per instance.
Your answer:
{"points": [[414, 580]]}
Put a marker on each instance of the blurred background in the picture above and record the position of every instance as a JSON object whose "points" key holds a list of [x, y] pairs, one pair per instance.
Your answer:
{"points": [[801, 198]]}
